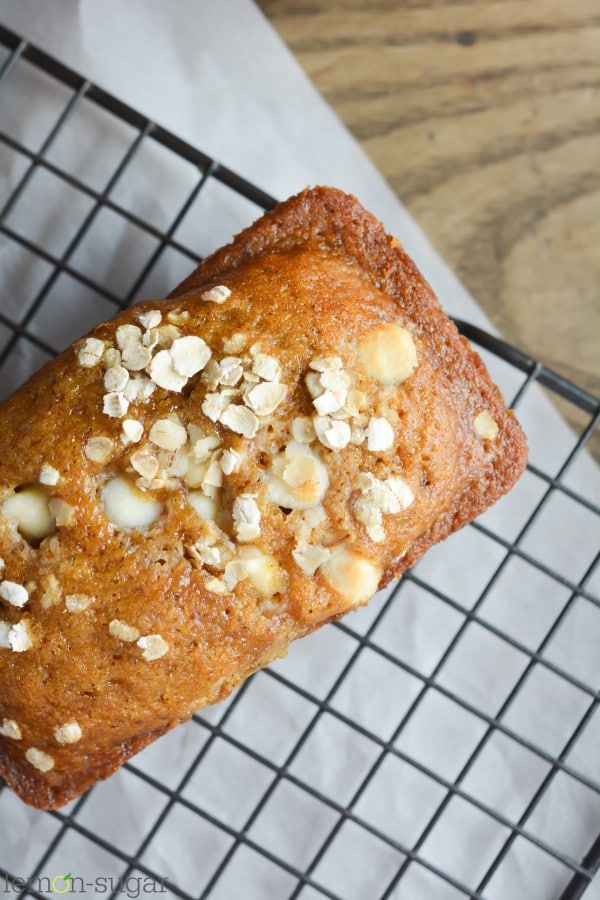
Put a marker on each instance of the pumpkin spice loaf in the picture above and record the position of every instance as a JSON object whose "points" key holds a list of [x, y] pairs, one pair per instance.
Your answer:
{"points": [[204, 479]]}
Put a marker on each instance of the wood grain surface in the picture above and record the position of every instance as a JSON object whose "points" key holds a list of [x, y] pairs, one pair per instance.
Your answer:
{"points": [[483, 116]]}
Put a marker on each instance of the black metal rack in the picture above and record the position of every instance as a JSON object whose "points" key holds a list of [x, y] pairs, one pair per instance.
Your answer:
{"points": [[231, 838]]}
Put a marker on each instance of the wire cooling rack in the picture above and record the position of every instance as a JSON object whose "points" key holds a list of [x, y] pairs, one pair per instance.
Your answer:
{"points": [[370, 763]]}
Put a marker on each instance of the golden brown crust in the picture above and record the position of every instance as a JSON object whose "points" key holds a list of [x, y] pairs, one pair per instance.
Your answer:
{"points": [[309, 279]]}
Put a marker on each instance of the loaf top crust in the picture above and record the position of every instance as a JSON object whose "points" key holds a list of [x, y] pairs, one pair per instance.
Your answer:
{"points": [[203, 479]]}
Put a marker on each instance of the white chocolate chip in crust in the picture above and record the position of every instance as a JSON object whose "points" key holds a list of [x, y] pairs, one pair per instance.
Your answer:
{"points": [[115, 378], [190, 355], [246, 518], [20, 637], [115, 405], [39, 760], [262, 569], [203, 506], [153, 647], [127, 506], [49, 475], [150, 319], [63, 512], [163, 373], [332, 433], [99, 449], [298, 478], [90, 353], [69, 733], [13, 593], [309, 558], [354, 577], [380, 435], [240, 419], [75, 603], [132, 431], [265, 397], [121, 631], [168, 435], [217, 294], [388, 353], [485, 426], [10, 729], [29, 510]]}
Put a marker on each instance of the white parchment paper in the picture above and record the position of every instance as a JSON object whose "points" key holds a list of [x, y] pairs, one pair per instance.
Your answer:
{"points": [[217, 75]]}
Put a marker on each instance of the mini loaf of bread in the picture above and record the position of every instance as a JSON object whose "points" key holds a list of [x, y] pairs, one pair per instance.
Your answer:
{"points": [[204, 479]]}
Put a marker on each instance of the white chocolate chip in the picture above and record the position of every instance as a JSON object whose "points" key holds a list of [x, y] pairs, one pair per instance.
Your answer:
{"points": [[5, 630], [240, 419], [78, 602], [303, 430], [39, 760], [246, 518], [63, 512], [150, 319], [266, 367], [217, 294], [29, 510], [115, 405], [121, 631], [298, 478], [189, 354], [485, 426], [153, 646], [132, 430], [388, 353], [309, 558], [127, 506], [99, 449], [204, 506], [262, 569], [163, 373], [115, 378], [13, 593], [49, 475], [354, 577], [332, 433], [20, 637], [69, 733], [90, 353], [265, 398], [10, 729], [168, 435], [380, 435]]}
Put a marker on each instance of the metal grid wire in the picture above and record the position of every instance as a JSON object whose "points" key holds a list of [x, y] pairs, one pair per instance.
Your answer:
{"points": [[33, 326]]}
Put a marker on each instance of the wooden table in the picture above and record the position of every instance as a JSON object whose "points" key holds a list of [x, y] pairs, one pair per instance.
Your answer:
{"points": [[483, 116]]}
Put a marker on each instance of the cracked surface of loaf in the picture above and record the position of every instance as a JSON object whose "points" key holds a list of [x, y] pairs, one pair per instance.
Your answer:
{"points": [[206, 478]]}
